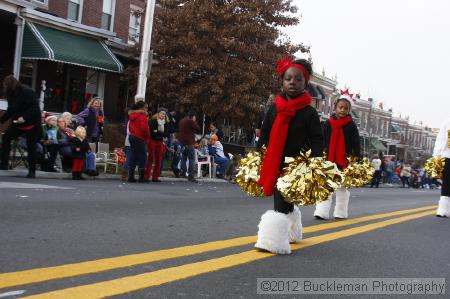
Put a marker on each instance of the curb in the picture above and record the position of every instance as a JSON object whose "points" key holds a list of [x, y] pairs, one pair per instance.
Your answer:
{"points": [[21, 173]]}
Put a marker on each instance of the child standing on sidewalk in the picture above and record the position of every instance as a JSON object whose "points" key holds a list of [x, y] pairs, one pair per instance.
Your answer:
{"points": [[80, 147]]}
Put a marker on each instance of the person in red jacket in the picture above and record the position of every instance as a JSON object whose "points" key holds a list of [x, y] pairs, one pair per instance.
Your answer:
{"points": [[139, 137]]}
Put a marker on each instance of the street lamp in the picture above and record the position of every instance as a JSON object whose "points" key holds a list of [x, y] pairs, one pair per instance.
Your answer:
{"points": [[145, 59]]}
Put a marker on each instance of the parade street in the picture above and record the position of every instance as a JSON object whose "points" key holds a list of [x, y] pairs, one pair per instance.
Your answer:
{"points": [[67, 239]]}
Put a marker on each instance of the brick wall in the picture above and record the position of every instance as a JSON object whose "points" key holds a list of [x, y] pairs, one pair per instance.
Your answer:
{"points": [[58, 7], [92, 13], [122, 19]]}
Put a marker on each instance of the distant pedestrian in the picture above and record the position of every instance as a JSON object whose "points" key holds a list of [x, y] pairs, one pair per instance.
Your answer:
{"points": [[405, 174], [23, 110], [159, 129], [139, 138], [187, 130], [376, 163], [92, 119]]}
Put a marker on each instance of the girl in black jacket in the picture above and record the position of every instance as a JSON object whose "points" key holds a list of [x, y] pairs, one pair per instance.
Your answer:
{"points": [[80, 147], [341, 141], [159, 129], [290, 126]]}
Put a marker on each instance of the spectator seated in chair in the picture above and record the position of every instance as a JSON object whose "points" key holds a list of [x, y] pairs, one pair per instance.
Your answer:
{"points": [[216, 150], [50, 142]]}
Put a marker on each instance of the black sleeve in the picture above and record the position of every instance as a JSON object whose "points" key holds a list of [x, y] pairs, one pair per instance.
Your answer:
{"points": [[266, 127], [326, 129], [315, 134], [355, 141], [30, 100]]}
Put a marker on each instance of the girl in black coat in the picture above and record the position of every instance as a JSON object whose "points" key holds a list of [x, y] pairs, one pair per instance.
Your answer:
{"points": [[290, 126], [80, 147], [341, 141]]}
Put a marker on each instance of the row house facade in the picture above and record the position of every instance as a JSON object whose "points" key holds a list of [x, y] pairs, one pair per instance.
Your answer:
{"points": [[71, 50]]}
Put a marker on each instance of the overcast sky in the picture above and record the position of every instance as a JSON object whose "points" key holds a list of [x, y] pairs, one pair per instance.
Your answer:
{"points": [[395, 51]]}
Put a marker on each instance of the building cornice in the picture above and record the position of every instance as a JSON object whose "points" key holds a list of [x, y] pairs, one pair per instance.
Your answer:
{"points": [[63, 24]]}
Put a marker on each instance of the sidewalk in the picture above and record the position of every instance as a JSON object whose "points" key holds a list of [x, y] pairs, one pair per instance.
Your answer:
{"points": [[166, 176]]}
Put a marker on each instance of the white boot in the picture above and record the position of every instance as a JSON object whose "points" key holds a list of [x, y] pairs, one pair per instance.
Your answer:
{"points": [[295, 225], [342, 199], [444, 207], [323, 208], [273, 233]]}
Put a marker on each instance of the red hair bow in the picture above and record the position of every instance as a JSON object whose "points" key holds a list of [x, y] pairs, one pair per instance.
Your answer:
{"points": [[286, 62]]}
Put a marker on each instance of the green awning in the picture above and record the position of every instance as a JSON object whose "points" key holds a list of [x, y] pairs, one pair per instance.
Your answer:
{"points": [[40, 42], [376, 144]]}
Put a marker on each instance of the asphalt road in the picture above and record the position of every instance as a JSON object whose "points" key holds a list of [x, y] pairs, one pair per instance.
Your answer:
{"points": [[52, 222]]}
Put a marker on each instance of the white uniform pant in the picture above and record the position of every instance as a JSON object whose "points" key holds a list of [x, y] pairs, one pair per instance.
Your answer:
{"points": [[341, 208]]}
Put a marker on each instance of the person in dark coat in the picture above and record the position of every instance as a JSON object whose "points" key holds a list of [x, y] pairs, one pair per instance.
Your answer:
{"points": [[159, 129], [341, 141], [186, 136], [80, 147], [23, 110], [291, 126]]}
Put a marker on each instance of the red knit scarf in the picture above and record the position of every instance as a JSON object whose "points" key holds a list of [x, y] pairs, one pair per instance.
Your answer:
{"points": [[336, 150], [286, 110]]}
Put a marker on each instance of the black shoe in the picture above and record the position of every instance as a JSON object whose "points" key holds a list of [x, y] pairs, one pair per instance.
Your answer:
{"points": [[319, 218], [131, 178], [31, 175], [142, 178], [192, 179]]}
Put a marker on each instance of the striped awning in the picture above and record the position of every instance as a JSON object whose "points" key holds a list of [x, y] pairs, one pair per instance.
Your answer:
{"points": [[41, 42]]}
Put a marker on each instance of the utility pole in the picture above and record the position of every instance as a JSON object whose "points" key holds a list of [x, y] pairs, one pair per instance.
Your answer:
{"points": [[145, 59]]}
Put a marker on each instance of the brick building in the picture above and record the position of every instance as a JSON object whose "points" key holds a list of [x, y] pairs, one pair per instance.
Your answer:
{"points": [[78, 47]]}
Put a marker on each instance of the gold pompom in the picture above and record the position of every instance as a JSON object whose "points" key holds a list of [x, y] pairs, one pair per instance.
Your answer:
{"points": [[435, 167], [248, 175], [358, 172], [307, 181]]}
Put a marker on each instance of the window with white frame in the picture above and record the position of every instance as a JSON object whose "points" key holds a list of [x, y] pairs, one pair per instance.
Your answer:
{"points": [[108, 14], [40, 2], [74, 10], [134, 30]]}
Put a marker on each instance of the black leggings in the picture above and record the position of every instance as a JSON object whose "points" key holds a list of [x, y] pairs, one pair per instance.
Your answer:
{"points": [[445, 190], [279, 205], [33, 135]]}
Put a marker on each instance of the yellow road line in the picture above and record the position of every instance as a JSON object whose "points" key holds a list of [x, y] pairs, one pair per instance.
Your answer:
{"points": [[94, 266], [151, 279]]}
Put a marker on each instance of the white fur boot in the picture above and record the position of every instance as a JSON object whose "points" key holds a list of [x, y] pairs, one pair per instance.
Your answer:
{"points": [[273, 233], [323, 208], [444, 207], [295, 225], [342, 199]]}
